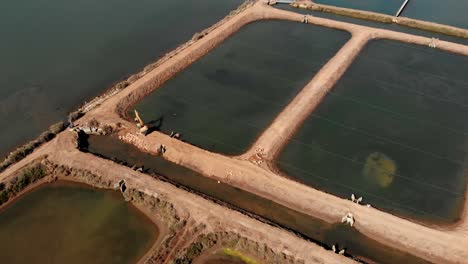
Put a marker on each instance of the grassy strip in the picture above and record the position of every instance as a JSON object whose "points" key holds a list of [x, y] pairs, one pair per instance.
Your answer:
{"points": [[233, 253], [404, 21], [232, 244], [27, 176], [29, 147]]}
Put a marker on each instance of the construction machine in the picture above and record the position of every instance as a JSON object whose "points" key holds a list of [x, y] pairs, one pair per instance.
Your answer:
{"points": [[140, 124]]}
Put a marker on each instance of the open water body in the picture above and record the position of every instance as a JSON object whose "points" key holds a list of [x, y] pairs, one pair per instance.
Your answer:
{"points": [[393, 130], [357, 244], [394, 27], [55, 54], [227, 98], [70, 223]]}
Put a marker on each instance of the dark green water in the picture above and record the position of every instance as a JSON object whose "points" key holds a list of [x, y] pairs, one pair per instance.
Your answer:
{"points": [[408, 103], [70, 223], [394, 27], [357, 244], [224, 101], [55, 54]]}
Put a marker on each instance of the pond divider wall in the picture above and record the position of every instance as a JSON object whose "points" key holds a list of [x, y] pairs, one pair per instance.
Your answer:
{"points": [[266, 211], [367, 15]]}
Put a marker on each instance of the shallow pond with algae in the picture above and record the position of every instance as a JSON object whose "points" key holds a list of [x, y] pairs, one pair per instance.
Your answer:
{"points": [[67, 222], [393, 130], [227, 98]]}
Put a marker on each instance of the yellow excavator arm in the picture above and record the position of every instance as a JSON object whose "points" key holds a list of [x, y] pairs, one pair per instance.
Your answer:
{"points": [[139, 119]]}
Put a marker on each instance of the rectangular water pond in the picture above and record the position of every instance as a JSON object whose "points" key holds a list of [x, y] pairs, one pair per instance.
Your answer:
{"points": [[66, 222], [226, 99], [393, 130]]}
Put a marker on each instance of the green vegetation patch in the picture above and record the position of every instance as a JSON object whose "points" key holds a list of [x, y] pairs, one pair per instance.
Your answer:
{"points": [[234, 253], [29, 147], [27, 176]]}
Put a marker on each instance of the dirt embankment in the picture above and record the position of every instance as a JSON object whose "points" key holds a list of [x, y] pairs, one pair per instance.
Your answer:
{"points": [[276, 136], [183, 217]]}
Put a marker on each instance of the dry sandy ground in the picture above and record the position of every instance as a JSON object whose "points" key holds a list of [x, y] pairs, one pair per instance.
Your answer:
{"points": [[439, 245]]}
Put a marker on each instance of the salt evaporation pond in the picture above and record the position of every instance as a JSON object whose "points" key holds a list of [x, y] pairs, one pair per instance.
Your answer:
{"points": [[227, 98], [394, 130], [69, 223]]}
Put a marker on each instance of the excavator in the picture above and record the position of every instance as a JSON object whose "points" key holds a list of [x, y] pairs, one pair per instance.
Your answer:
{"points": [[140, 124]]}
